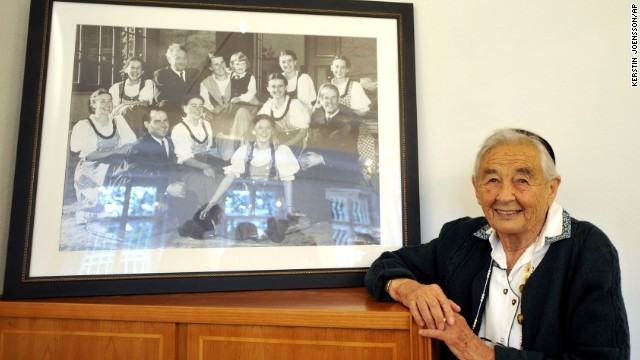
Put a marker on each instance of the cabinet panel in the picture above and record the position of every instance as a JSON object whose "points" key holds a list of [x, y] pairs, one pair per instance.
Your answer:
{"points": [[281, 324], [222, 342], [34, 339]]}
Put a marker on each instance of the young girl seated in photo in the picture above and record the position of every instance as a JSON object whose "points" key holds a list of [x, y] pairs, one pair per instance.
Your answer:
{"points": [[270, 169], [243, 83], [291, 116]]}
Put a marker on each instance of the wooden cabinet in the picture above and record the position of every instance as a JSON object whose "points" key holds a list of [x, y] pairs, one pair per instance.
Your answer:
{"points": [[291, 324]]}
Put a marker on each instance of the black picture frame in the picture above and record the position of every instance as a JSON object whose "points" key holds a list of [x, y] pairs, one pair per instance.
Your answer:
{"points": [[30, 202]]}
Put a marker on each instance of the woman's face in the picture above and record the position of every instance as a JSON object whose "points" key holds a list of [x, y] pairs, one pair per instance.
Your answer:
{"points": [[287, 63], [218, 66], [277, 88], [102, 104], [339, 68], [512, 191], [263, 131], [134, 70], [194, 108]]}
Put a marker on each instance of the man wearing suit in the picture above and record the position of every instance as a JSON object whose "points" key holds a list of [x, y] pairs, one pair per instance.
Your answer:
{"points": [[340, 153], [175, 82], [340, 148], [152, 161]]}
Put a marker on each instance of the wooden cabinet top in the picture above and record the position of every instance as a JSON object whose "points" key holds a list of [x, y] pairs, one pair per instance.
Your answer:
{"points": [[340, 308]]}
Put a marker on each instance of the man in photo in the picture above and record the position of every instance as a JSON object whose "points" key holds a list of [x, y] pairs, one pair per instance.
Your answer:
{"points": [[152, 161], [175, 82]]}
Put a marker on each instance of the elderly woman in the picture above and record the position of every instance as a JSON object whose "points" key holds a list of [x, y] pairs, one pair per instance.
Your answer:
{"points": [[351, 92], [102, 142], [299, 85], [292, 117], [524, 281]]}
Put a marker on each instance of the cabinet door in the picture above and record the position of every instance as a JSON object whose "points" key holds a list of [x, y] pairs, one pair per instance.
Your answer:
{"points": [[234, 342], [51, 339]]}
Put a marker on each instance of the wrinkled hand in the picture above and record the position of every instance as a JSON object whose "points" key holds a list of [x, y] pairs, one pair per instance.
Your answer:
{"points": [[427, 303], [461, 340]]}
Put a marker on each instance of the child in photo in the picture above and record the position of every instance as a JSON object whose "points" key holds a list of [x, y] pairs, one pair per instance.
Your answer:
{"points": [[243, 83]]}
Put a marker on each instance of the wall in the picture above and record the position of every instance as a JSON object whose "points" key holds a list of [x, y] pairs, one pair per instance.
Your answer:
{"points": [[560, 68]]}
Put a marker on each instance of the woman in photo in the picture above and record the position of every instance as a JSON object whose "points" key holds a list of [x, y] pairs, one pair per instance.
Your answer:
{"points": [[132, 95], [230, 122], [351, 92], [291, 116], [299, 85], [193, 139], [133, 90], [102, 141], [263, 162]]}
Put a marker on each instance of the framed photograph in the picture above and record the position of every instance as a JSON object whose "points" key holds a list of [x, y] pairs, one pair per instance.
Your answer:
{"points": [[169, 146]]}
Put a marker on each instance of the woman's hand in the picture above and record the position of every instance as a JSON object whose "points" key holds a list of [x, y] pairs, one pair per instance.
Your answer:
{"points": [[203, 213], [427, 303], [208, 171], [118, 109], [208, 115], [461, 340], [99, 155], [123, 150], [177, 189]]}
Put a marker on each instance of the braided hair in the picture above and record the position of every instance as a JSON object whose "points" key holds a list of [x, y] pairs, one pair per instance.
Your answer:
{"points": [[273, 171]]}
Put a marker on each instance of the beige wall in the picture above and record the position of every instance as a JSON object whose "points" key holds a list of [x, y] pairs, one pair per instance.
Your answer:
{"points": [[560, 68]]}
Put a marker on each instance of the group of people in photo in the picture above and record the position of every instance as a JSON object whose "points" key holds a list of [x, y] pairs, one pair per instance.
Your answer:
{"points": [[201, 135]]}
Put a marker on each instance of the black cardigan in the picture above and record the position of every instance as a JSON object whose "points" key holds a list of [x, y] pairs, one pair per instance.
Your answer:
{"points": [[572, 303]]}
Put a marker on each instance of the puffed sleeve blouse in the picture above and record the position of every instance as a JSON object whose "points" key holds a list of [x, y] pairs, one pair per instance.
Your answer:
{"points": [[286, 163], [186, 147], [359, 99], [296, 118], [146, 93], [303, 85], [84, 139]]}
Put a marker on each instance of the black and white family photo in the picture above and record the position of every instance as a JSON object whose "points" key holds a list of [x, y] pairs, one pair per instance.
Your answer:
{"points": [[211, 139]]}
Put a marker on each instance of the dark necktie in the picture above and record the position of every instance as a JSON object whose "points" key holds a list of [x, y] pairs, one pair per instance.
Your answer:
{"points": [[166, 146], [182, 76]]}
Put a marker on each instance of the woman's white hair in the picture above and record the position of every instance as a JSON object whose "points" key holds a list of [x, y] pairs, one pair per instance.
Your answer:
{"points": [[518, 136]]}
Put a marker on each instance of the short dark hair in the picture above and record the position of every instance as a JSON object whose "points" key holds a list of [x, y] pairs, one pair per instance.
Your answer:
{"points": [[286, 52], [343, 58], [186, 99], [277, 76], [264, 117]]}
